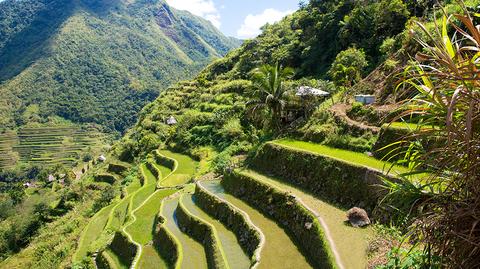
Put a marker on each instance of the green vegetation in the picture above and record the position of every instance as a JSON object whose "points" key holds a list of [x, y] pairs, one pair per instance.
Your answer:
{"points": [[204, 233], [214, 127], [93, 230], [234, 253], [141, 229], [348, 67], [351, 243], [441, 212], [279, 251], [269, 93], [185, 170], [196, 253], [353, 158], [96, 62], [50, 145]]}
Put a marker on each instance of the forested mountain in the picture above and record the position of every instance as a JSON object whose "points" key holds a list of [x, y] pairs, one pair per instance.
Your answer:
{"points": [[96, 61]]}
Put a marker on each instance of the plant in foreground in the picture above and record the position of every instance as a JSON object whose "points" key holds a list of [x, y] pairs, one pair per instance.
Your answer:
{"points": [[446, 77]]}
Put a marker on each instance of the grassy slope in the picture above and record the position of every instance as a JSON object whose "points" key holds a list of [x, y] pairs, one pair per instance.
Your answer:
{"points": [[186, 169], [353, 158], [92, 232], [141, 230]]}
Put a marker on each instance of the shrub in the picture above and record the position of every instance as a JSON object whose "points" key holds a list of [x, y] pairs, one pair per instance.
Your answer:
{"points": [[348, 67]]}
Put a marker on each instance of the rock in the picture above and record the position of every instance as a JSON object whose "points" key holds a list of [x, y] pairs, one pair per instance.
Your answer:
{"points": [[358, 217], [308, 225]]}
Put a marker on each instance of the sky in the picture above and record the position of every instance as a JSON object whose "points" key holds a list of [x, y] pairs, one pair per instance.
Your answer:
{"points": [[238, 18]]}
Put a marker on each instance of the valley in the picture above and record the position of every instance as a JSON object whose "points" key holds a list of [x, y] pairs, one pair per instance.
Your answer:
{"points": [[134, 135]]}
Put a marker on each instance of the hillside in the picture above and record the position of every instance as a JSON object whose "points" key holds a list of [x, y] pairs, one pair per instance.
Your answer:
{"points": [[96, 61], [273, 157]]}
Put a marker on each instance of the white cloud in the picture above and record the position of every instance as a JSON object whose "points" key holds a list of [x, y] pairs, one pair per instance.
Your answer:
{"points": [[202, 8], [252, 24]]}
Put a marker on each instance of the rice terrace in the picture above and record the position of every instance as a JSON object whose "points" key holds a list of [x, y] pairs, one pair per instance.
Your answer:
{"points": [[195, 134]]}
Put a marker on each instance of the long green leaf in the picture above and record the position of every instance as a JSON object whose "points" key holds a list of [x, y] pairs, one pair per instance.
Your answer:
{"points": [[446, 39]]}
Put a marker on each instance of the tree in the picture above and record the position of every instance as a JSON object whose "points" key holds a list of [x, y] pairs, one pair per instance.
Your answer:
{"points": [[268, 93], [348, 67]]}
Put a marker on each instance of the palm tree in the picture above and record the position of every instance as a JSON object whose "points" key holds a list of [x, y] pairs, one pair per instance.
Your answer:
{"points": [[268, 93]]}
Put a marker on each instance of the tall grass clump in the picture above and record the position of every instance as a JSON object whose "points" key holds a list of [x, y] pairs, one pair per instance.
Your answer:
{"points": [[444, 208]]}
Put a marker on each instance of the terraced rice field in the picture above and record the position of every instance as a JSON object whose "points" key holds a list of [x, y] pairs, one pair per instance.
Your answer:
{"points": [[8, 157], [350, 242], [46, 145], [194, 253], [184, 172], [93, 230], [279, 250], [354, 158], [143, 204], [236, 257]]}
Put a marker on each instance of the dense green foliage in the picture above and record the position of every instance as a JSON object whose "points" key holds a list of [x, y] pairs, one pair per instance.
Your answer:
{"points": [[96, 61], [211, 110]]}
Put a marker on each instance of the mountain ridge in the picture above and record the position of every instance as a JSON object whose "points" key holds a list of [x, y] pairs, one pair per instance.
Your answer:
{"points": [[97, 61]]}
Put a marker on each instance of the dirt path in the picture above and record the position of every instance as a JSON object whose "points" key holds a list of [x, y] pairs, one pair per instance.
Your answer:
{"points": [[340, 110]]}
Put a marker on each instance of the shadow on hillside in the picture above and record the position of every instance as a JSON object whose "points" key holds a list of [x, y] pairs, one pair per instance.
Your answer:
{"points": [[32, 43]]}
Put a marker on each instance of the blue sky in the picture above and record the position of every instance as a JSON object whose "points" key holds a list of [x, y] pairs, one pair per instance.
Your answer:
{"points": [[238, 18]]}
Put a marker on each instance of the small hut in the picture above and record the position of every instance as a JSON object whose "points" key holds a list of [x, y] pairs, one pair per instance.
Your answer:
{"points": [[171, 120], [365, 99], [306, 91], [102, 158]]}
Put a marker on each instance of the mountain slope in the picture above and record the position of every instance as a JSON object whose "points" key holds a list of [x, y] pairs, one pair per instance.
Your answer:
{"points": [[97, 61]]}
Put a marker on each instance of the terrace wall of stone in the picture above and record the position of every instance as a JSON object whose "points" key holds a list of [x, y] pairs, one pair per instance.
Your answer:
{"points": [[163, 160], [125, 250], [107, 178], [332, 180], [166, 244], [117, 168], [248, 236], [155, 171], [285, 209], [101, 261], [203, 233]]}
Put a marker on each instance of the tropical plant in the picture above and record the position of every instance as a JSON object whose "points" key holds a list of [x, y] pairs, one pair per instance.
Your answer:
{"points": [[348, 67], [447, 142], [268, 94]]}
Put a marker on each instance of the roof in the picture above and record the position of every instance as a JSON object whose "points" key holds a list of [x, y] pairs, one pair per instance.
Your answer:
{"points": [[171, 120], [309, 91], [102, 158]]}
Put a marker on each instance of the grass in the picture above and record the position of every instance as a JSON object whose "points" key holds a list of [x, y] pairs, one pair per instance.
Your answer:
{"points": [[354, 158], [119, 215], [93, 230], [351, 243], [133, 186], [150, 259], [186, 169], [142, 229], [408, 126], [279, 251]]}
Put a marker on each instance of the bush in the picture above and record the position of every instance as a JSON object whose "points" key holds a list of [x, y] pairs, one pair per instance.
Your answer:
{"points": [[348, 67]]}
